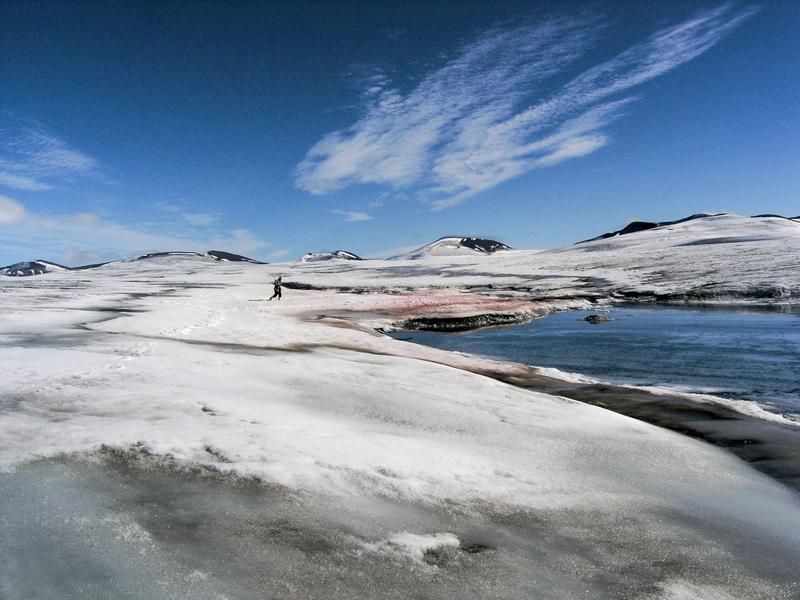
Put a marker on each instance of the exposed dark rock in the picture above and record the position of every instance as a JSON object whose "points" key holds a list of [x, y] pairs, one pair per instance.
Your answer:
{"points": [[483, 245], [474, 548], [92, 266], [296, 285], [770, 215], [597, 319], [323, 256], [24, 269], [478, 245], [433, 556], [463, 323], [163, 254], [29, 268], [229, 256]]}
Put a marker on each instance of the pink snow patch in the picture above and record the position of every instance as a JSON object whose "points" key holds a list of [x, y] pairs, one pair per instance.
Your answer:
{"points": [[448, 302]]}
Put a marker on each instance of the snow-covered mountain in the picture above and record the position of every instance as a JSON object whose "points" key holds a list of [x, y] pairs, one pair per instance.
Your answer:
{"points": [[28, 268], [455, 246], [215, 255], [40, 267], [636, 226], [335, 255], [701, 229]]}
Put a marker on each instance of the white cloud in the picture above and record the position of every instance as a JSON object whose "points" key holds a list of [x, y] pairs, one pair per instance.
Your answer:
{"points": [[70, 238], [20, 182], [352, 216], [196, 219], [49, 153], [388, 252], [75, 256], [277, 254], [200, 219], [11, 211], [88, 219], [476, 121], [32, 159], [239, 241]]}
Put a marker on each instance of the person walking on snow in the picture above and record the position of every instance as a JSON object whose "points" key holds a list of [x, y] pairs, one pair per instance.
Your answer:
{"points": [[277, 288]]}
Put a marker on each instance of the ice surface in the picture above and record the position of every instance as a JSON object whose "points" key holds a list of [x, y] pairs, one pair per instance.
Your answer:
{"points": [[166, 432]]}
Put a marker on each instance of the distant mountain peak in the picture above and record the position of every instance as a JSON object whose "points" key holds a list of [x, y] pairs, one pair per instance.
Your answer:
{"points": [[335, 255], [33, 267], [455, 246]]}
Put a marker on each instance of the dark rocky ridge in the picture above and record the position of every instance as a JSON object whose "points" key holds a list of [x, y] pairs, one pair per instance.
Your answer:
{"points": [[229, 256]]}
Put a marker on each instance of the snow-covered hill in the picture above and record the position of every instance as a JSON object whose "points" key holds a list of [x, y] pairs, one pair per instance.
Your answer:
{"points": [[454, 246], [635, 226], [40, 267], [335, 255], [28, 268], [714, 258]]}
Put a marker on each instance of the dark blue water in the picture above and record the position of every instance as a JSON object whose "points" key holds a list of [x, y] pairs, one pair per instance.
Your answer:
{"points": [[746, 355]]}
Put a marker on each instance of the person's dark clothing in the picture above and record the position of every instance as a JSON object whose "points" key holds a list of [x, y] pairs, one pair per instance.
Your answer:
{"points": [[277, 288]]}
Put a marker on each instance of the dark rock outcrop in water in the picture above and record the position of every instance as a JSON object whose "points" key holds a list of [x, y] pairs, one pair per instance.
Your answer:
{"points": [[463, 323], [597, 319]]}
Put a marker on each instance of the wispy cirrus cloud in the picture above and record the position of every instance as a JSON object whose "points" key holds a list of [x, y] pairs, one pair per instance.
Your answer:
{"points": [[193, 218], [352, 216], [493, 112], [33, 159], [21, 182]]}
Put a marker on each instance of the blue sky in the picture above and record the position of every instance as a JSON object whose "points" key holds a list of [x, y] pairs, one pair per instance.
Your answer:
{"points": [[272, 129]]}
